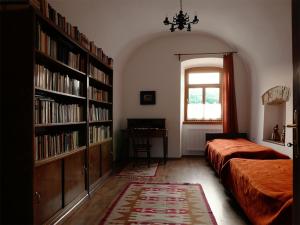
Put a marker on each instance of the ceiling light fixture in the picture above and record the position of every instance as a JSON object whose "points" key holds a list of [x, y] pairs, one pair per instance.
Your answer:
{"points": [[181, 21]]}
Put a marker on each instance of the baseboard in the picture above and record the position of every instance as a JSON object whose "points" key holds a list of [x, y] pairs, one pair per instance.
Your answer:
{"points": [[99, 183], [71, 208], [193, 152]]}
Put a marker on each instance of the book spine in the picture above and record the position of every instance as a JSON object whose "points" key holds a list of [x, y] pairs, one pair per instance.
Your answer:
{"points": [[99, 75], [98, 95], [99, 133], [98, 113]]}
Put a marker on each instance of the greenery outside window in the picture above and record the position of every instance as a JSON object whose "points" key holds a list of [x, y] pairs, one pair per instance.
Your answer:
{"points": [[203, 95]]}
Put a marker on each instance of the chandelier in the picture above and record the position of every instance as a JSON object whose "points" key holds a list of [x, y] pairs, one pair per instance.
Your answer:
{"points": [[181, 21]]}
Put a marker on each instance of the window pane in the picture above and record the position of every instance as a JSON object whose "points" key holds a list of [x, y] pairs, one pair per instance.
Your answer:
{"points": [[195, 106], [212, 111], [212, 95], [204, 112], [195, 111], [212, 108], [195, 95], [204, 78]]}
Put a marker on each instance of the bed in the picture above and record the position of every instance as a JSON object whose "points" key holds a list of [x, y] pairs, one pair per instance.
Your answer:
{"points": [[222, 147], [263, 189]]}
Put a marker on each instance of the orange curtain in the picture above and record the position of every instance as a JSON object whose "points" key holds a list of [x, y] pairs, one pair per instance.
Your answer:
{"points": [[230, 124]]}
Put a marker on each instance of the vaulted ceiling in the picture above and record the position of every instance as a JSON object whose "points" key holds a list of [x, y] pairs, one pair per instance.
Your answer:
{"points": [[258, 29]]}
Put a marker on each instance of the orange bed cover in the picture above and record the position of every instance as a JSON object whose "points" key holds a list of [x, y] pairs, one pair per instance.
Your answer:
{"points": [[219, 151], [263, 189]]}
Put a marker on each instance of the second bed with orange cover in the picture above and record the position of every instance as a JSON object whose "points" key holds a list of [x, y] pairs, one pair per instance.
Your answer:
{"points": [[219, 151], [263, 189]]}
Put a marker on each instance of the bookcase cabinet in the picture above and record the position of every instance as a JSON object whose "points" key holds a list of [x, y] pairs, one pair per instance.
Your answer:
{"points": [[56, 118]]}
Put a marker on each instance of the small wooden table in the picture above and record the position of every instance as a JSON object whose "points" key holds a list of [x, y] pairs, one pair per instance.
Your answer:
{"points": [[150, 132]]}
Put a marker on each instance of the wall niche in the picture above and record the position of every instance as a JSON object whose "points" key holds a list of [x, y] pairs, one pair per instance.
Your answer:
{"points": [[274, 101]]}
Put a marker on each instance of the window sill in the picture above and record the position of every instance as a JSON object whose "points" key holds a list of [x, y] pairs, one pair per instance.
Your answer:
{"points": [[274, 142], [207, 122]]}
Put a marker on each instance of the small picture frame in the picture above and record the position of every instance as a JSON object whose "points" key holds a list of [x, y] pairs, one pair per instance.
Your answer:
{"points": [[147, 97]]}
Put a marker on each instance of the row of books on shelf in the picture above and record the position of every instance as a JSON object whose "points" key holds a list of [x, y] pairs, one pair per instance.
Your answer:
{"points": [[98, 114], [99, 133], [72, 31], [98, 52], [55, 81], [48, 111], [96, 94], [99, 75], [65, 26], [57, 50], [54, 144]]}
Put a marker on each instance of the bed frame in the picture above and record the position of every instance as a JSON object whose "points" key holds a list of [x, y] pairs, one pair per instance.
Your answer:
{"points": [[211, 136]]}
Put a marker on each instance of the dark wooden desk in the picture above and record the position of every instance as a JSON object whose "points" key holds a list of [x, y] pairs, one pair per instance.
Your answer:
{"points": [[150, 132]]}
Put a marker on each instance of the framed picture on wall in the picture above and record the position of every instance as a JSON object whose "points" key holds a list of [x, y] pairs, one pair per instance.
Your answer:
{"points": [[147, 97]]}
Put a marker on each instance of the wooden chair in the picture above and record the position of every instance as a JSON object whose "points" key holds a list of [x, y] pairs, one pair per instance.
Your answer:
{"points": [[140, 143]]}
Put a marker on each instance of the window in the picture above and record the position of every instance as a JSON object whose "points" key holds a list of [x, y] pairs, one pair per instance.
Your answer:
{"points": [[203, 95]]}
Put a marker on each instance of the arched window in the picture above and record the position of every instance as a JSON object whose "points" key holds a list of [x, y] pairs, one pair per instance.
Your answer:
{"points": [[203, 95]]}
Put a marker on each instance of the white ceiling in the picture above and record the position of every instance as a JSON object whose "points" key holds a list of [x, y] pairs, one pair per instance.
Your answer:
{"points": [[257, 29]]}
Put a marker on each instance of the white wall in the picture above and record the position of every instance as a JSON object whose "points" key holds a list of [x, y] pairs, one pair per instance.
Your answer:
{"points": [[273, 67], [194, 139], [153, 66]]}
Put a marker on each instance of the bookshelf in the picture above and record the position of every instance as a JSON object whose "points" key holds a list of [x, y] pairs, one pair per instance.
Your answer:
{"points": [[56, 114], [100, 121]]}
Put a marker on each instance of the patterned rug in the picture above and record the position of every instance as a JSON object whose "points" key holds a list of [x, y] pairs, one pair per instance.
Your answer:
{"points": [[157, 203], [139, 170]]}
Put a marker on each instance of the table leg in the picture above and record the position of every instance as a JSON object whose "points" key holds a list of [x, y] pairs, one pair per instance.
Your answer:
{"points": [[165, 146]]}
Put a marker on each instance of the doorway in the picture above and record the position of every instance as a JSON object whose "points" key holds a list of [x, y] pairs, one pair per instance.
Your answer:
{"points": [[296, 107]]}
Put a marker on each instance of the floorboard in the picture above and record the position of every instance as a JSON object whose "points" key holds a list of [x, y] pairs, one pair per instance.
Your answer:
{"points": [[184, 170]]}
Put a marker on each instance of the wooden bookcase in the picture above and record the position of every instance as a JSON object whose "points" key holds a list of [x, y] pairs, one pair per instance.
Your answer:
{"points": [[56, 139]]}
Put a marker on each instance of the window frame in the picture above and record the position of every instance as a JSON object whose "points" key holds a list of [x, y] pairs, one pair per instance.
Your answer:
{"points": [[203, 86]]}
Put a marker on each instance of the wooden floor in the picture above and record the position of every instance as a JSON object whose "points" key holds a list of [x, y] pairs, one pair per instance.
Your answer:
{"points": [[184, 170]]}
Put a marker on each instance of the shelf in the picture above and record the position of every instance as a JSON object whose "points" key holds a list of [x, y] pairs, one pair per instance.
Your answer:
{"points": [[274, 142], [100, 121], [57, 29], [59, 124], [60, 31], [101, 102], [58, 63], [60, 156], [99, 62], [99, 143], [99, 82], [57, 93]]}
